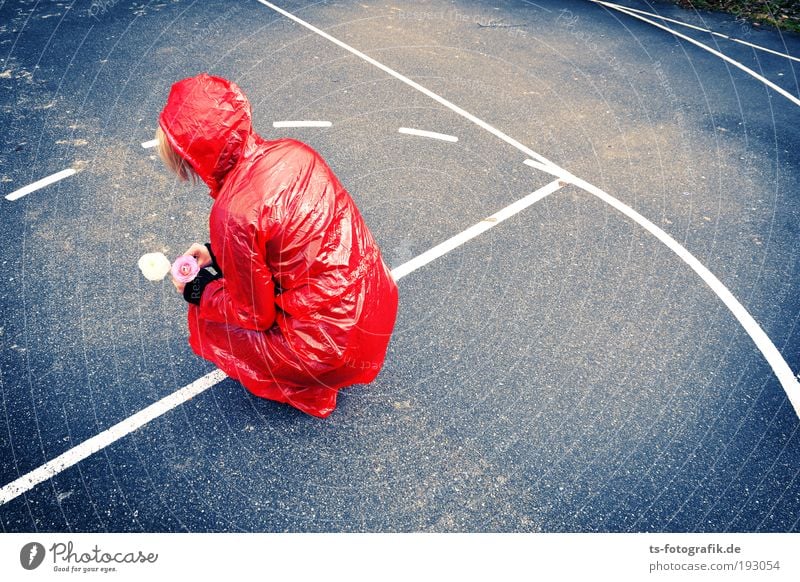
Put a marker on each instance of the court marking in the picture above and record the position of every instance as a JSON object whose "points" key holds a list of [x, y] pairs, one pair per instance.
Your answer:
{"points": [[425, 133], [476, 229], [150, 144], [100, 441], [309, 123], [38, 184], [705, 47], [107, 437], [719, 34], [553, 171]]}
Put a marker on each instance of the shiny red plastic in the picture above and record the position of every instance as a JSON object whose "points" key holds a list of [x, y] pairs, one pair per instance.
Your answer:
{"points": [[306, 304]]}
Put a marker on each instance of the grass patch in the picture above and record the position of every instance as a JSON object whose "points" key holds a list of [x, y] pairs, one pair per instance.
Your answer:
{"points": [[783, 14]]}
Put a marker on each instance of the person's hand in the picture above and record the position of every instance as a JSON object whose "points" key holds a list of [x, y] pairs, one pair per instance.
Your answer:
{"points": [[178, 285], [201, 255]]}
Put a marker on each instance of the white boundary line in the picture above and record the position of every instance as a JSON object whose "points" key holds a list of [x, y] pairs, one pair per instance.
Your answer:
{"points": [[150, 144], [705, 47], [108, 436], [719, 34], [476, 229], [430, 134], [779, 366], [301, 124], [755, 46], [549, 169], [17, 194], [774, 358], [132, 423]]}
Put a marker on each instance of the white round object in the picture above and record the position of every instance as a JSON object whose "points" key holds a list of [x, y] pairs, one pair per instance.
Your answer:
{"points": [[154, 266]]}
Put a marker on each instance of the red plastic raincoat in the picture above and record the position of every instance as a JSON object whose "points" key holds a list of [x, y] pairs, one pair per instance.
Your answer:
{"points": [[305, 305]]}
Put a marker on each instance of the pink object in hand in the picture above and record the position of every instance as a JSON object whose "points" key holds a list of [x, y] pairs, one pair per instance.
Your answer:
{"points": [[185, 268]]}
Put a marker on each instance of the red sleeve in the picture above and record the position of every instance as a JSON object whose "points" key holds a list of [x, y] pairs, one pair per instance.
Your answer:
{"points": [[245, 295]]}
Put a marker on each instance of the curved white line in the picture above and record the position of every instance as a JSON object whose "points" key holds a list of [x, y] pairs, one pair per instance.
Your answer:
{"points": [[779, 366], [132, 423], [755, 46], [705, 47], [548, 169]]}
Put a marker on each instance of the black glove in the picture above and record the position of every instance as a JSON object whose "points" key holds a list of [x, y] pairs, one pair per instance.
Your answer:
{"points": [[214, 264], [193, 290]]}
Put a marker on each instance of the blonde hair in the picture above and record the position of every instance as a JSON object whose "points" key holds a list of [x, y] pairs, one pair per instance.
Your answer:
{"points": [[172, 159]]}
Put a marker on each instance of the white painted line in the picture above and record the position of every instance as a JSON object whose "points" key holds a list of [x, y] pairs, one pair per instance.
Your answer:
{"points": [[150, 144], [755, 46], [774, 358], [107, 437], [687, 25], [547, 168], [301, 124], [705, 47], [474, 230], [455, 108], [431, 134], [788, 381], [17, 194]]}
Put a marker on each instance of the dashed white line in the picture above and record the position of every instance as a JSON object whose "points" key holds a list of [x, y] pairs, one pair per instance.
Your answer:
{"points": [[301, 124], [108, 436], [692, 26], [150, 144], [455, 108], [705, 47], [779, 366], [430, 134], [17, 194]]}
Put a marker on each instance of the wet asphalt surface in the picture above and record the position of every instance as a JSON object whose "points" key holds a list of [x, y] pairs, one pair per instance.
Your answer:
{"points": [[564, 371]]}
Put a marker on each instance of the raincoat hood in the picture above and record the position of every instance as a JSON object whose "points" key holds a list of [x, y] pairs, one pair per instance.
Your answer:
{"points": [[208, 121]]}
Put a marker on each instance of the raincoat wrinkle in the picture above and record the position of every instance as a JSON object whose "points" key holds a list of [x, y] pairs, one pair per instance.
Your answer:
{"points": [[305, 304]]}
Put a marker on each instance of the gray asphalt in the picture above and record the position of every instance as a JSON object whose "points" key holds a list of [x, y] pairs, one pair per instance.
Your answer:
{"points": [[564, 371]]}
